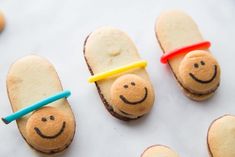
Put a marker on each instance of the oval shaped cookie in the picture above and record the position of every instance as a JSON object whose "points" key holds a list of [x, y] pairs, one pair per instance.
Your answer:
{"points": [[221, 137], [106, 49], [159, 151], [198, 78], [49, 129]]}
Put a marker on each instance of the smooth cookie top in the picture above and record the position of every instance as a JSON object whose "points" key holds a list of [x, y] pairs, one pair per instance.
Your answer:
{"points": [[159, 151], [49, 128], [199, 72], [221, 137], [132, 95]]}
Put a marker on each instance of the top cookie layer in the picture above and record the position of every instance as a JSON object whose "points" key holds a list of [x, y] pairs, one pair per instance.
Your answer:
{"points": [[221, 137], [159, 151]]}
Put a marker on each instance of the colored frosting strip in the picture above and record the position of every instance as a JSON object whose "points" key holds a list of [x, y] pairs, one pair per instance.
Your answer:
{"points": [[104, 75], [186, 49], [35, 106]]}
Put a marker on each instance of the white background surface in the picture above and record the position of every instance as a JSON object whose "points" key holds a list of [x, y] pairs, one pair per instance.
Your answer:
{"points": [[56, 29]]}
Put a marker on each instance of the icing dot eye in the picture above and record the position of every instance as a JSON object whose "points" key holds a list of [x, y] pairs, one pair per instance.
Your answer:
{"points": [[52, 118], [133, 83], [196, 65], [125, 86], [43, 119], [203, 63]]}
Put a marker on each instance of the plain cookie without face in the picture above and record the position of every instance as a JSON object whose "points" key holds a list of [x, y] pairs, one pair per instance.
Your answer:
{"points": [[221, 137], [159, 151]]}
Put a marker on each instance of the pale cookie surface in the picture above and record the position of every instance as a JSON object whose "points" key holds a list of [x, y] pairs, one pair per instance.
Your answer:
{"points": [[30, 79], [49, 128], [159, 151], [2, 22], [132, 95], [221, 137], [108, 48], [174, 30], [199, 72]]}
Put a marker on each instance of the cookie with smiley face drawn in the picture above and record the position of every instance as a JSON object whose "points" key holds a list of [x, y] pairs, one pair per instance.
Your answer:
{"points": [[49, 129], [199, 72], [118, 71], [187, 53], [159, 151], [221, 137], [130, 94]]}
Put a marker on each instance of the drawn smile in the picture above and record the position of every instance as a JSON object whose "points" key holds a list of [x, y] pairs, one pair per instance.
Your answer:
{"points": [[53, 136], [205, 81], [134, 102]]}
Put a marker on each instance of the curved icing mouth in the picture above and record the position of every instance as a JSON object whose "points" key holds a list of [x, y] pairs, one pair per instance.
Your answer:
{"points": [[53, 136], [135, 102], [205, 81]]}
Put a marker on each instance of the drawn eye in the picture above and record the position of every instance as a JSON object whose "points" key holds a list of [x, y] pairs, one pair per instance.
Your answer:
{"points": [[133, 83], [196, 65], [203, 63], [43, 119], [52, 118], [125, 86]]}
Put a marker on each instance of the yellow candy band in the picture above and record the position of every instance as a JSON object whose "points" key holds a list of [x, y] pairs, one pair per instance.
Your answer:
{"points": [[104, 75]]}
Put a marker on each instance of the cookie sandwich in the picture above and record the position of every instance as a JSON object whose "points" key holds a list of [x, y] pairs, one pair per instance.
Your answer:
{"points": [[119, 73], [32, 83], [187, 53]]}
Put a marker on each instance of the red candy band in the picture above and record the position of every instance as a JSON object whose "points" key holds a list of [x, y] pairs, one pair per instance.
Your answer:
{"points": [[186, 49]]}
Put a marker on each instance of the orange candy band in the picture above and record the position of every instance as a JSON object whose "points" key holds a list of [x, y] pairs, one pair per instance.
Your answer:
{"points": [[201, 45]]}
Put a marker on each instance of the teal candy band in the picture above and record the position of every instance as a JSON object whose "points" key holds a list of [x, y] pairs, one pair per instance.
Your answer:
{"points": [[35, 106]]}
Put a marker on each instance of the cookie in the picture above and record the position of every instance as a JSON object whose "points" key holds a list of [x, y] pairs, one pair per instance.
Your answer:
{"points": [[199, 72], [221, 137], [159, 151], [187, 53], [114, 62], [2, 22], [130, 94], [49, 129]]}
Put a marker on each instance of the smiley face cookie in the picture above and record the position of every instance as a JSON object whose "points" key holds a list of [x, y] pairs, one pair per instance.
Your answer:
{"points": [[131, 95], [194, 67], [118, 71], [221, 137], [159, 151], [49, 129], [199, 72]]}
